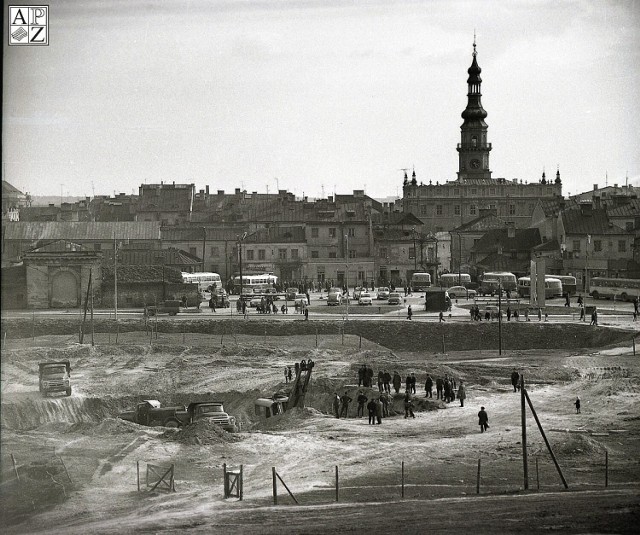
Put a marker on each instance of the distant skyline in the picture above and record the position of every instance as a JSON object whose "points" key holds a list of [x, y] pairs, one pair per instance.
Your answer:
{"points": [[314, 96]]}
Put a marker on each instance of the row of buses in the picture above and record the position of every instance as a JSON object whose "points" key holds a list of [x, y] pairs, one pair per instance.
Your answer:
{"points": [[250, 283]]}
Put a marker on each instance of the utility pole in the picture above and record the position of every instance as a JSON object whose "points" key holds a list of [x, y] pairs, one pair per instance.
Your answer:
{"points": [[415, 256], [499, 318], [115, 276], [459, 259], [204, 246], [523, 417], [346, 237]]}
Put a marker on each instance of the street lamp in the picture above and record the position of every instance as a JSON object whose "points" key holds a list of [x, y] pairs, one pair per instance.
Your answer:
{"points": [[240, 240]]}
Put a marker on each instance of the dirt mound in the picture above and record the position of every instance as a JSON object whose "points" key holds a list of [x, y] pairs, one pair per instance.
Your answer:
{"points": [[203, 432], [575, 444], [289, 420], [110, 426]]}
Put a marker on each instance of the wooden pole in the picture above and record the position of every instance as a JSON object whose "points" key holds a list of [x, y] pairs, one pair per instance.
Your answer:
{"points": [[316, 337], [33, 325], [402, 478], [225, 483], [337, 486], [633, 340], [535, 415], [287, 488], [360, 343], [138, 473], [93, 331], [275, 485], [523, 417], [15, 468], [155, 302], [606, 468], [241, 484], [86, 306], [443, 346], [478, 478], [537, 475]]}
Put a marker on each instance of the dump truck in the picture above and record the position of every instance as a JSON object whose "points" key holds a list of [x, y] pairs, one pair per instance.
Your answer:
{"points": [[150, 412], [55, 377]]}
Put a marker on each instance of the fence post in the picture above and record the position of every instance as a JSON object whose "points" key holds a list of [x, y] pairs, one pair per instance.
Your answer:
{"points": [[360, 343], [240, 483], [316, 337], [443, 347], [402, 478], [606, 468], [138, 474], [537, 475], [478, 479], [275, 485], [633, 340], [337, 486]]}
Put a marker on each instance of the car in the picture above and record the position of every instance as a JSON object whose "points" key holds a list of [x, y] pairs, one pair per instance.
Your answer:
{"points": [[357, 291], [395, 298], [365, 299], [301, 299], [460, 292], [334, 298], [290, 293], [383, 293]]}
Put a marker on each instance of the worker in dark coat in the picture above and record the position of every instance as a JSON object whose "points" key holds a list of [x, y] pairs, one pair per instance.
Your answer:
{"points": [[380, 381], [483, 420], [336, 405], [408, 406], [515, 380], [386, 377], [372, 407], [345, 400], [397, 382], [361, 399], [439, 387], [428, 386], [384, 398], [379, 410], [462, 394], [362, 371]]}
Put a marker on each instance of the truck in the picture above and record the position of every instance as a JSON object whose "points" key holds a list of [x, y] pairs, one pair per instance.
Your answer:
{"points": [[150, 412], [55, 377]]}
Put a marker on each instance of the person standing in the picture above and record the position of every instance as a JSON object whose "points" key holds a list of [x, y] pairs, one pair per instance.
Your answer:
{"points": [[407, 383], [508, 313], [462, 394], [581, 312], [286, 374], [369, 382], [379, 410], [397, 381], [336, 405], [483, 420], [428, 386], [380, 381], [567, 301], [439, 386], [577, 404], [362, 371], [408, 406], [594, 317], [636, 303], [409, 312], [447, 389], [515, 380], [345, 400], [386, 377], [289, 373], [372, 407], [384, 398], [361, 399], [413, 383]]}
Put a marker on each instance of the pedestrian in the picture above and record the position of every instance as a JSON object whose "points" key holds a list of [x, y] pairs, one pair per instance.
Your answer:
{"points": [[594, 317], [539, 314], [212, 304], [306, 314], [397, 381], [336, 405], [515, 380], [372, 407], [508, 313], [483, 420], [345, 400], [408, 406], [289, 373], [447, 389], [462, 394], [441, 317], [567, 301], [407, 383], [384, 398], [286, 374], [409, 312], [361, 399], [380, 381], [580, 301], [428, 386], [439, 387], [577, 404], [379, 410], [297, 368], [386, 378], [526, 314], [362, 370], [636, 304], [184, 301], [582, 312], [369, 376], [413, 383]]}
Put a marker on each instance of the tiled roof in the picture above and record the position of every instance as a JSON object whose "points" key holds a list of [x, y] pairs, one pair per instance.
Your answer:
{"points": [[630, 209], [8, 189], [482, 223], [587, 220], [523, 240], [91, 231], [551, 245], [58, 246], [496, 261]]}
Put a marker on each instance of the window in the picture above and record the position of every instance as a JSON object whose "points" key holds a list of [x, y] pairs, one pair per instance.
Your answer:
{"points": [[472, 209], [314, 232], [492, 191], [261, 254], [412, 252], [360, 275], [512, 209], [249, 254], [423, 209], [576, 245], [438, 209], [597, 245], [456, 209], [332, 254], [314, 254], [282, 254], [383, 252], [474, 191], [215, 251], [474, 141], [352, 253], [332, 232], [622, 246], [351, 232], [294, 253]]}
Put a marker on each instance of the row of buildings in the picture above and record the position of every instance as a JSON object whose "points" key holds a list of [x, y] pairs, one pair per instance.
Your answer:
{"points": [[473, 224]]}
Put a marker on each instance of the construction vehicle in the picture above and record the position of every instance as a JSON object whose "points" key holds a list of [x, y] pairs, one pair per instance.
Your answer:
{"points": [[268, 407], [300, 384], [150, 412], [55, 377]]}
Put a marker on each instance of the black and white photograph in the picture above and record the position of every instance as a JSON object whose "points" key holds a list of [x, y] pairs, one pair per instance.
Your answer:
{"points": [[320, 266]]}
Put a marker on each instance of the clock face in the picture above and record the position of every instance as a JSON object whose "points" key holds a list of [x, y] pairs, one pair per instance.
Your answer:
{"points": [[475, 164]]}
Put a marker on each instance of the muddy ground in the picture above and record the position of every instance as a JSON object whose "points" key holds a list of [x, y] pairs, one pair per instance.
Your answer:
{"points": [[77, 462]]}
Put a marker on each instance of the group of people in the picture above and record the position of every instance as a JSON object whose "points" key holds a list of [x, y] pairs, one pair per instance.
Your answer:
{"points": [[377, 407], [446, 389]]}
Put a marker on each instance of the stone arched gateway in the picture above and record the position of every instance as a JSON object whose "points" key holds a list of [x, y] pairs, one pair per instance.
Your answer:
{"points": [[65, 289]]}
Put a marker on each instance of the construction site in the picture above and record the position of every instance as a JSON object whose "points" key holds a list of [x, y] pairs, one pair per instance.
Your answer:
{"points": [[71, 464]]}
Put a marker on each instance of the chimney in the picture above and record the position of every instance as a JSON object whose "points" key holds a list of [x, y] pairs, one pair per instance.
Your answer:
{"points": [[595, 187], [221, 192], [207, 189], [237, 191], [330, 198]]}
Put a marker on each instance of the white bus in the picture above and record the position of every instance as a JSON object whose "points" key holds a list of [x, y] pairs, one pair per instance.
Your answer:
{"points": [[569, 284], [254, 283], [452, 279], [492, 280], [609, 288], [420, 282], [203, 280], [552, 287]]}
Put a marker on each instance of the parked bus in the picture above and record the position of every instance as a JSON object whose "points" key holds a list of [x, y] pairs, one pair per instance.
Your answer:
{"points": [[552, 287], [454, 279], [569, 285], [420, 282], [607, 288], [492, 279], [255, 283], [203, 280]]}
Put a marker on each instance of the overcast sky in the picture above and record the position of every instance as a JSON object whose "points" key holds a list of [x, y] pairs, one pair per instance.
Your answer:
{"points": [[319, 94]]}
